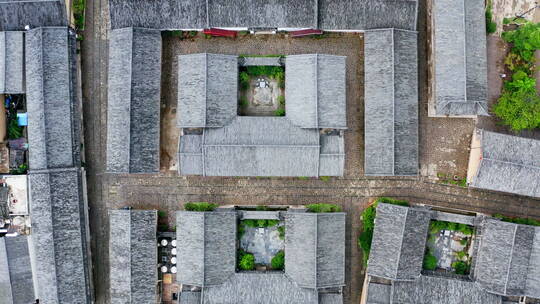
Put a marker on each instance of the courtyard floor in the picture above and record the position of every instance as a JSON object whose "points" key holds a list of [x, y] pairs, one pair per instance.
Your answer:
{"points": [[444, 145], [263, 243]]}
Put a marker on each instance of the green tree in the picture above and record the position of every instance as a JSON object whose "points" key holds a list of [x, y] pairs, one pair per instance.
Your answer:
{"points": [[430, 261], [278, 261], [519, 110], [247, 262]]}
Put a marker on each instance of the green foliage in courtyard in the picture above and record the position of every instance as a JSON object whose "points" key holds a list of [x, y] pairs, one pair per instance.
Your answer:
{"points": [[201, 207], [436, 226], [491, 26], [519, 104], [260, 223], [244, 80], [461, 267], [323, 208], [278, 261], [281, 230], [78, 13], [279, 112], [246, 260], [430, 261], [265, 70]]}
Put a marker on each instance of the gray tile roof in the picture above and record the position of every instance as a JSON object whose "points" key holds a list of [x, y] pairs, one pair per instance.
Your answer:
{"points": [[378, 293], [509, 164], [315, 90], [11, 62], [459, 58], [207, 90], [508, 261], [324, 14], [133, 101], [441, 290], [16, 285], [133, 256], [256, 287], [206, 243], [53, 110], [399, 241], [189, 297], [16, 14], [370, 14], [59, 236], [315, 249], [391, 102], [285, 151], [330, 298]]}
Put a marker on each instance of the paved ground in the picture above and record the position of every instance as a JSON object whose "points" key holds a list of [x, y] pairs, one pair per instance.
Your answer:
{"points": [[443, 148]]}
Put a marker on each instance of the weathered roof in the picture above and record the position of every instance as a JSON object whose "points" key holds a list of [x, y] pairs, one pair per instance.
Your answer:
{"points": [[284, 151], [324, 14], [509, 164], [391, 102], [254, 287], [53, 110], [399, 241], [508, 261], [133, 256], [315, 90], [261, 13], [206, 243], [330, 298], [16, 285], [315, 249], [11, 62], [190, 297], [440, 290], [378, 293], [459, 51], [207, 90], [133, 101], [16, 14], [59, 231], [364, 15]]}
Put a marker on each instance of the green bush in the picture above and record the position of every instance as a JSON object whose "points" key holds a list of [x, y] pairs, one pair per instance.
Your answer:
{"points": [[14, 130], [461, 254], [201, 207], [430, 261], [463, 242], [525, 40], [364, 241], [325, 178], [519, 110], [491, 27], [461, 267], [436, 226], [392, 201], [243, 102], [279, 112], [281, 100], [244, 80], [281, 230], [78, 13], [247, 261], [278, 261], [161, 213], [241, 229], [517, 220], [259, 223], [323, 208], [265, 70]]}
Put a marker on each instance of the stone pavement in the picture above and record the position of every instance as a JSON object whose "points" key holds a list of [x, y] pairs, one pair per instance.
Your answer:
{"points": [[443, 146]]}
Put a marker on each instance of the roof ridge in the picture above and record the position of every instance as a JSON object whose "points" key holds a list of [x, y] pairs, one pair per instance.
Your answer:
{"points": [[507, 162], [401, 243], [511, 259]]}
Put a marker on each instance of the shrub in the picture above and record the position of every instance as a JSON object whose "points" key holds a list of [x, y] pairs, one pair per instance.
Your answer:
{"points": [[161, 213], [491, 27], [436, 226], [244, 80], [271, 223], [525, 40], [281, 100], [517, 220], [243, 102], [247, 261], [241, 230], [465, 229], [78, 13], [278, 261], [364, 241], [461, 254], [430, 261], [323, 208], [463, 242], [519, 110], [201, 207], [264, 70], [259, 223], [279, 112], [324, 178], [392, 201], [14, 130], [460, 267], [261, 208], [281, 230]]}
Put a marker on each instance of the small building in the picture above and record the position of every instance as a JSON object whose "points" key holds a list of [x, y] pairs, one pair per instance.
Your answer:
{"points": [[457, 59], [216, 141], [54, 124], [391, 102], [16, 281], [314, 246], [133, 104], [505, 260], [60, 236], [133, 256], [12, 62], [504, 163]]}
